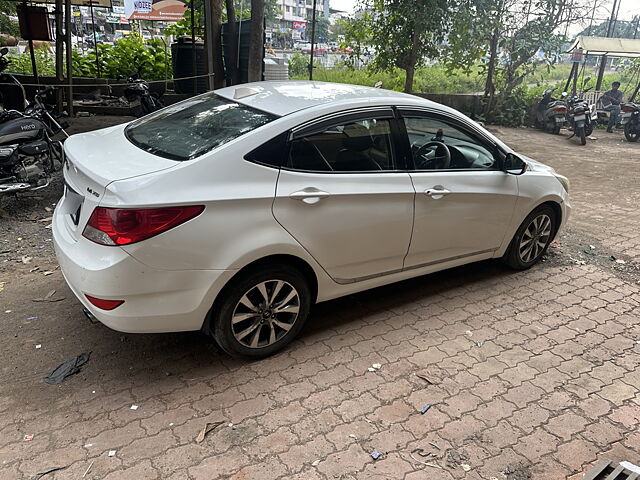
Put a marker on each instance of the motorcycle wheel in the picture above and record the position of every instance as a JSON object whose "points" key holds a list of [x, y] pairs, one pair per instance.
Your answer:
{"points": [[556, 129], [583, 136], [631, 132], [588, 130]]}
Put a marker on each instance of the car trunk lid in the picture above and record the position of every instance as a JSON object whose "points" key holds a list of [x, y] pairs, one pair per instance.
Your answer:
{"points": [[93, 161]]}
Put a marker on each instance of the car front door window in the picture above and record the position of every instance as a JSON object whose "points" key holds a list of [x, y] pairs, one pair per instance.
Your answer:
{"points": [[438, 145]]}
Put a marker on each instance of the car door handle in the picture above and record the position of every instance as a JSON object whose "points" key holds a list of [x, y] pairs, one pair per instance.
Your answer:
{"points": [[437, 192], [309, 195]]}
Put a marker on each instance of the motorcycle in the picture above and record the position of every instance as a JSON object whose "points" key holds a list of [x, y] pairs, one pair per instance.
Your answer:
{"points": [[12, 94], [581, 117], [141, 100], [630, 119], [550, 113], [28, 155]]}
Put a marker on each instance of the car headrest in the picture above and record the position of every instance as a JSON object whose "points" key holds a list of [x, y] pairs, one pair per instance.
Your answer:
{"points": [[357, 137]]}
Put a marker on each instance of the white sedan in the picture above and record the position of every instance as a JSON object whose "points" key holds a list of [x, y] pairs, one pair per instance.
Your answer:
{"points": [[235, 211]]}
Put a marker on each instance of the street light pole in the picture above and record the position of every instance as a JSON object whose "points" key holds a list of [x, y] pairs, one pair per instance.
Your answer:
{"points": [[313, 38]]}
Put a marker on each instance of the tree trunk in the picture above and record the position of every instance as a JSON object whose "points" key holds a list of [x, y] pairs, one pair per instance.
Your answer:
{"points": [[256, 41], [410, 68], [408, 81], [233, 72], [216, 30], [489, 88]]}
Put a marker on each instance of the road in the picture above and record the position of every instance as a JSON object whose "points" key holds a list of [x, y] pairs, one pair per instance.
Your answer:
{"points": [[533, 374]]}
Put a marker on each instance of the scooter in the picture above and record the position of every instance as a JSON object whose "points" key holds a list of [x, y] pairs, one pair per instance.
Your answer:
{"points": [[28, 155], [550, 113], [141, 100], [581, 116], [12, 94], [630, 119]]}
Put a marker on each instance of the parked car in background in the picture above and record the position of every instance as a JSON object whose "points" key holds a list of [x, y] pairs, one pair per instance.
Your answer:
{"points": [[318, 49], [235, 211]]}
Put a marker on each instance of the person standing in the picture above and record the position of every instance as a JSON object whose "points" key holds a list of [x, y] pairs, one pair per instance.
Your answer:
{"points": [[611, 101]]}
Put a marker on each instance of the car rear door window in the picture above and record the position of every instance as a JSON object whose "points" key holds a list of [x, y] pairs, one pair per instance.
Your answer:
{"points": [[191, 128], [357, 146]]}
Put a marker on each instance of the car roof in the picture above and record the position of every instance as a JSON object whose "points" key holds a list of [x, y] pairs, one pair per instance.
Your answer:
{"points": [[285, 97]]}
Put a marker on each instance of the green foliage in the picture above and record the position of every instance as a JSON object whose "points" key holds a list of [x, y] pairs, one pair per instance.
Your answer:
{"points": [[127, 56], [428, 79], [405, 33], [357, 35], [8, 26], [45, 63], [621, 29], [322, 28], [119, 60], [298, 66]]}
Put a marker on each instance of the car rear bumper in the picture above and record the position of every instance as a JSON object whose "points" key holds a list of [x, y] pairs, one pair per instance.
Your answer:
{"points": [[155, 300]]}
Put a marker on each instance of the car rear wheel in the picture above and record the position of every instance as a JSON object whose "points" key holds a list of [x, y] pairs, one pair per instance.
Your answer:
{"points": [[532, 239], [261, 311]]}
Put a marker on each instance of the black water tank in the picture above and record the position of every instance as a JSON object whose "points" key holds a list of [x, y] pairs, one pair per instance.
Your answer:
{"points": [[182, 58]]}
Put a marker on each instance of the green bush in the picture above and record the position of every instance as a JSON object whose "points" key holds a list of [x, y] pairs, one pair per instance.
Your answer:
{"points": [[298, 66], [433, 79], [45, 63], [119, 60]]}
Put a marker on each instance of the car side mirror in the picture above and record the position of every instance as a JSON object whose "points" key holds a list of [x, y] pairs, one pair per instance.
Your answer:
{"points": [[514, 165], [4, 51]]}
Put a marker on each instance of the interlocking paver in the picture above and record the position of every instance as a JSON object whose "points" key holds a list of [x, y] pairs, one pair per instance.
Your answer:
{"points": [[538, 371]]}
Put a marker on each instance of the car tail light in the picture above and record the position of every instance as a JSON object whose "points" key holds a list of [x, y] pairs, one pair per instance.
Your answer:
{"points": [[103, 304], [561, 110], [628, 108], [124, 226]]}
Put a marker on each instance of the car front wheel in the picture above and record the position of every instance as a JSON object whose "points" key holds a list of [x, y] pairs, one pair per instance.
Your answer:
{"points": [[261, 311], [532, 239]]}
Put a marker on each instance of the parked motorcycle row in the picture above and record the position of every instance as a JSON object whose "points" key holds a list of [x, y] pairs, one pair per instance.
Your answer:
{"points": [[29, 155], [575, 113]]}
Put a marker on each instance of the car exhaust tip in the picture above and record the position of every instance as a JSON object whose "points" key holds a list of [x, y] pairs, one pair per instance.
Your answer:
{"points": [[89, 316]]}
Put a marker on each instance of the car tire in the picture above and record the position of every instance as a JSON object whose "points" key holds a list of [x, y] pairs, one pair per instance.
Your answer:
{"points": [[517, 255], [243, 308]]}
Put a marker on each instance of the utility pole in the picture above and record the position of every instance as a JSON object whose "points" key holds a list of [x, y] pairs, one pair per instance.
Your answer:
{"points": [[603, 60], [313, 38]]}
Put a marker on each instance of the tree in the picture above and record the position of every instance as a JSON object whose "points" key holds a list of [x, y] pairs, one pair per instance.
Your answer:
{"points": [[404, 33], [256, 41], [8, 26], [322, 28], [233, 73], [508, 38], [621, 29], [216, 30]]}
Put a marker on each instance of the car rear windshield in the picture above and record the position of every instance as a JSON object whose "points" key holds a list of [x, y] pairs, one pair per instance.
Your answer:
{"points": [[188, 129]]}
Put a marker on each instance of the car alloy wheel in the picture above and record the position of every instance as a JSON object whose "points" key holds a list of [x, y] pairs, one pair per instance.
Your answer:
{"points": [[265, 313], [262, 309], [535, 238]]}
